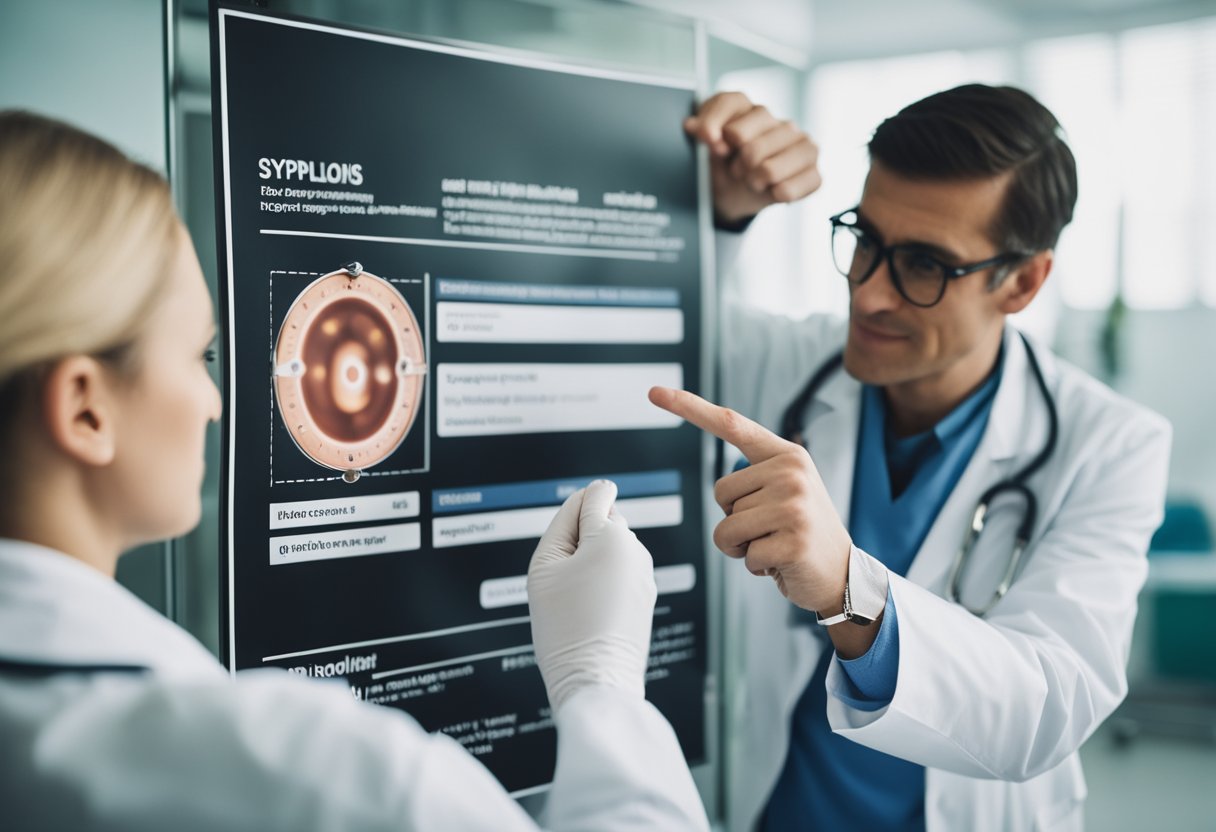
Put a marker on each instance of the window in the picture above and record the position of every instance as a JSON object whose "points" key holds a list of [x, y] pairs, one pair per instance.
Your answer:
{"points": [[1076, 79], [1157, 135], [846, 102], [1138, 108]]}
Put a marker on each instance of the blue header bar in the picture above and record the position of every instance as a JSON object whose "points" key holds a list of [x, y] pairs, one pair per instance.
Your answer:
{"points": [[484, 291], [548, 492]]}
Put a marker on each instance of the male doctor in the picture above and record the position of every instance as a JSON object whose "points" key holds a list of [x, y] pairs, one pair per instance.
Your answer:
{"points": [[904, 694]]}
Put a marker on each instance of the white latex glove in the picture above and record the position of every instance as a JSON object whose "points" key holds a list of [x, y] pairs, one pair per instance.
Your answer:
{"points": [[591, 592]]}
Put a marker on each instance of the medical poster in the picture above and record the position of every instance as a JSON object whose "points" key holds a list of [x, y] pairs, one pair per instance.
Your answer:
{"points": [[450, 277]]}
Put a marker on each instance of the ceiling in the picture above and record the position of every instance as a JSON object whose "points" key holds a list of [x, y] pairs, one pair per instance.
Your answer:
{"points": [[874, 28], [816, 31], [822, 30]]}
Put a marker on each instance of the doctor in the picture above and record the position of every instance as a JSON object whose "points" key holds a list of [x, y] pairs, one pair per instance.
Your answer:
{"points": [[112, 718], [897, 689]]}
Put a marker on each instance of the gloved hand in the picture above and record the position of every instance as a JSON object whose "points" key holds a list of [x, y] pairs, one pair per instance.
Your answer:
{"points": [[591, 592]]}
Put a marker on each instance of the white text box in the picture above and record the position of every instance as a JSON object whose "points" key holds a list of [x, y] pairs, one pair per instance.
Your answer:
{"points": [[351, 543], [492, 399], [344, 510], [525, 523], [527, 323], [513, 591]]}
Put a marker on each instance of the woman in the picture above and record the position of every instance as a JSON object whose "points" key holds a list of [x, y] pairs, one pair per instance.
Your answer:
{"points": [[113, 718]]}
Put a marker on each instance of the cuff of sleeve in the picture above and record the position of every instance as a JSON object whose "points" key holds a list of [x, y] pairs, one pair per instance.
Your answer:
{"points": [[736, 226], [871, 677]]}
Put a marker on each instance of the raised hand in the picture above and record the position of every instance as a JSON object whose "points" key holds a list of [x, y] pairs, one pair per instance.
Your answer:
{"points": [[756, 159], [779, 517]]}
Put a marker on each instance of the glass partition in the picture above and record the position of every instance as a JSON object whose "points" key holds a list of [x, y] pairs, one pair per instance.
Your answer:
{"points": [[612, 35]]}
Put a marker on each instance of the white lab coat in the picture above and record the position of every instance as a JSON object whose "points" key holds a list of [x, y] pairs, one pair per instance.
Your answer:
{"points": [[994, 707], [186, 747]]}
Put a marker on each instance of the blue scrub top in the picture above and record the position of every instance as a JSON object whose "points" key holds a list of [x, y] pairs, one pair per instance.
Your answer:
{"points": [[899, 486]]}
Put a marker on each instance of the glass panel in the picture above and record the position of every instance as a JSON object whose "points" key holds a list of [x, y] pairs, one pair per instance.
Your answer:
{"points": [[100, 71], [771, 255], [196, 556], [143, 571], [588, 33]]}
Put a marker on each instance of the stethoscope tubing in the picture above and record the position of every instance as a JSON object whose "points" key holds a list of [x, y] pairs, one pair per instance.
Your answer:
{"points": [[791, 429]]}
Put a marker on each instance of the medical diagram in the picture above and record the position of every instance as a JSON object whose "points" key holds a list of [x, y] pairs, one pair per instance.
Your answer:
{"points": [[349, 370]]}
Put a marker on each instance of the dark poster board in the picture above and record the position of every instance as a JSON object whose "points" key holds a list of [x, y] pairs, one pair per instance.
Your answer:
{"points": [[448, 278]]}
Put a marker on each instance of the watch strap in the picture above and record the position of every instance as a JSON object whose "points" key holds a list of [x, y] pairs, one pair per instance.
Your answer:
{"points": [[865, 591]]}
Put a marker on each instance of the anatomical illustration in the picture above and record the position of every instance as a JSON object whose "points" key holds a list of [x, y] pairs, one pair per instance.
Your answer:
{"points": [[349, 370]]}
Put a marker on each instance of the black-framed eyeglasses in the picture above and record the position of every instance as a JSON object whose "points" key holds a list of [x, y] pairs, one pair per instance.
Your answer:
{"points": [[918, 275]]}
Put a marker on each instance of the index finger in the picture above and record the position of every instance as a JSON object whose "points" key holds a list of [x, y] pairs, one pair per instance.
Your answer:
{"points": [[755, 441]]}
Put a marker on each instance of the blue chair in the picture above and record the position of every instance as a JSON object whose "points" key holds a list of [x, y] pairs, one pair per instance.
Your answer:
{"points": [[1185, 528], [1179, 699]]}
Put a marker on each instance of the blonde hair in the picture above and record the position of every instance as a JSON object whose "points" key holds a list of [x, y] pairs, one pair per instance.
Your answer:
{"points": [[86, 239]]}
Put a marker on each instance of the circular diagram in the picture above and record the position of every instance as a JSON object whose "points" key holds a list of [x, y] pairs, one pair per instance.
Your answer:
{"points": [[349, 369]]}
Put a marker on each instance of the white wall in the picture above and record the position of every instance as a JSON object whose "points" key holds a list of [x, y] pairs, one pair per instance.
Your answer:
{"points": [[95, 63]]}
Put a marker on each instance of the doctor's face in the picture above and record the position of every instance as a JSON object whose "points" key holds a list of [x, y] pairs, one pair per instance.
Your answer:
{"points": [[164, 410], [893, 342]]}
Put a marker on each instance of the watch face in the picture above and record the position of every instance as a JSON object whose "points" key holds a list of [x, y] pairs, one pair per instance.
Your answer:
{"points": [[349, 369]]}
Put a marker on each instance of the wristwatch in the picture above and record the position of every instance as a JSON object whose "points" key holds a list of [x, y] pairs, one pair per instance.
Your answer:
{"points": [[865, 591]]}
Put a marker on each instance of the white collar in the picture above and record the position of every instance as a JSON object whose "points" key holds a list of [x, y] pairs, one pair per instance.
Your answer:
{"points": [[841, 393], [59, 611], [1019, 416]]}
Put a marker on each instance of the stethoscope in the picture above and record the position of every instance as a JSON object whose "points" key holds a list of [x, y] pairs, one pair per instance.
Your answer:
{"points": [[791, 428]]}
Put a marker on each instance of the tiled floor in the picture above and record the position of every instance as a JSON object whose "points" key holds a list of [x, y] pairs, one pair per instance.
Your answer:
{"points": [[1152, 784]]}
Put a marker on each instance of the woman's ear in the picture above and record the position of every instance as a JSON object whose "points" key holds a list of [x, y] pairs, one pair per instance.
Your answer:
{"points": [[1020, 288], [79, 409]]}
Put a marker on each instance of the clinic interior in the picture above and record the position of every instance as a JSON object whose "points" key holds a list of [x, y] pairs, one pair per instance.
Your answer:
{"points": [[1132, 299]]}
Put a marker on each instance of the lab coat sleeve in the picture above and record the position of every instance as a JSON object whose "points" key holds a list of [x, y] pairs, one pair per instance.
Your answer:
{"points": [[619, 766], [270, 752], [1013, 695]]}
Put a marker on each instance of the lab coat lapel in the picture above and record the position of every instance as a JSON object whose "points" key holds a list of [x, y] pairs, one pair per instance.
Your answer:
{"points": [[1011, 430], [830, 431]]}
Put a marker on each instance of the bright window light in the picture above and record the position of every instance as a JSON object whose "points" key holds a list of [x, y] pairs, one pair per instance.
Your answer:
{"points": [[770, 261], [1203, 218], [1138, 109], [846, 102], [1156, 135], [1076, 78]]}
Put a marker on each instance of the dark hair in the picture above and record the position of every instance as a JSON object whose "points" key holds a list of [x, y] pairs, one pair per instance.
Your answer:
{"points": [[976, 132]]}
